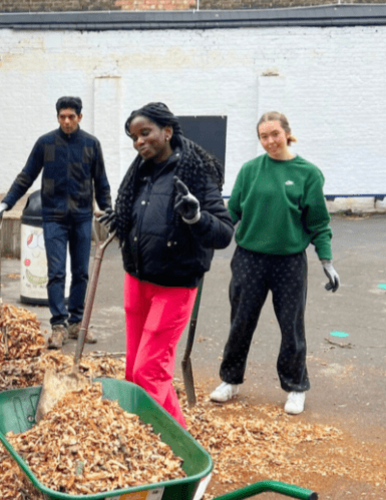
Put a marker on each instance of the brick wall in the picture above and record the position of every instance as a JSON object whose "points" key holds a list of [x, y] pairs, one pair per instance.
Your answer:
{"points": [[136, 5], [259, 4], [156, 5], [56, 5], [93, 5], [268, 4]]}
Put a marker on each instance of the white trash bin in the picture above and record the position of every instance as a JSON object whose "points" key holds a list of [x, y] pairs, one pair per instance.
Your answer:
{"points": [[33, 265]]}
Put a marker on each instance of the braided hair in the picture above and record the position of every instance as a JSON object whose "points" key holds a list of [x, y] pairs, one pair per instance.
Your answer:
{"points": [[193, 166]]}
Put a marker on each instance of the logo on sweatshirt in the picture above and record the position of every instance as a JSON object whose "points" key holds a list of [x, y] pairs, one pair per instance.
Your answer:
{"points": [[289, 183]]}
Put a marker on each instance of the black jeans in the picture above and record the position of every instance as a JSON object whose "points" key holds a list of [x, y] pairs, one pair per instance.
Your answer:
{"points": [[57, 235], [253, 275]]}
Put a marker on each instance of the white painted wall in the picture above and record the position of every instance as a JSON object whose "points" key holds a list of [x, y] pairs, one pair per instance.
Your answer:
{"points": [[331, 83]]}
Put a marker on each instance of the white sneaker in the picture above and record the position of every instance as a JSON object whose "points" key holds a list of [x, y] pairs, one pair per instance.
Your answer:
{"points": [[224, 392], [295, 403]]}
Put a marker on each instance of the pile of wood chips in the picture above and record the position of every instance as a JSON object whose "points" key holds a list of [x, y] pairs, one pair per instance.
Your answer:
{"points": [[14, 485], [28, 359], [248, 443], [28, 372], [87, 445], [22, 327], [256, 443], [251, 443]]}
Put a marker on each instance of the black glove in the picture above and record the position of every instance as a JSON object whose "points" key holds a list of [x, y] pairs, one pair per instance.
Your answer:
{"points": [[186, 204], [332, 275], [108, 219]]}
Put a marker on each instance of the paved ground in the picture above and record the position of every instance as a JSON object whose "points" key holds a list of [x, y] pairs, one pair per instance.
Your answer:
{"points": [[347, 373]]}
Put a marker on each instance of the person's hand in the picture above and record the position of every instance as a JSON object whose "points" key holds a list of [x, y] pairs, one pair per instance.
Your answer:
{"points": [[186, 204], [332, 275], [108, 219], [3, 208]]}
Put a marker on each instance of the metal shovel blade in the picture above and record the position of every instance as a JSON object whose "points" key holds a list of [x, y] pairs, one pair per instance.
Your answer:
{"points": [[55, 386], [187, 373]]}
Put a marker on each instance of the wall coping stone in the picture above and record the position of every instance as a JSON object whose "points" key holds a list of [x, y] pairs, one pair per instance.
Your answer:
{"points": [[320, 16]]}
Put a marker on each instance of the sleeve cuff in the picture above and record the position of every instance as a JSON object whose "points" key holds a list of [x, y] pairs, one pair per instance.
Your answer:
{"points": [[195, 219]]}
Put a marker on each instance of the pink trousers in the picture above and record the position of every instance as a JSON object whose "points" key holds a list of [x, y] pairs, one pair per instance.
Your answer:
{"points": [[156, 317]]}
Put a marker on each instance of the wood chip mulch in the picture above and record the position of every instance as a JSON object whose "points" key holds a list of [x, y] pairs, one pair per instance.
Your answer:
{"points": [[22, 329], [87, 445], [248, 443]]}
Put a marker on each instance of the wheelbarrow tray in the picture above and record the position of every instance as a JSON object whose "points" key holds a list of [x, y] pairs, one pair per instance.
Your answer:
{"points": [[17, 410]]}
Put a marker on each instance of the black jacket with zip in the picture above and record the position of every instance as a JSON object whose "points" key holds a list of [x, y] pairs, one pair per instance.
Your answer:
{"points": [[159, 251], [72, 168]]}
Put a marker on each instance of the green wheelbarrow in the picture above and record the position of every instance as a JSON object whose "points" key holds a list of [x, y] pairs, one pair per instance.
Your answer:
{"points": [[262, 486], [17, 414]]}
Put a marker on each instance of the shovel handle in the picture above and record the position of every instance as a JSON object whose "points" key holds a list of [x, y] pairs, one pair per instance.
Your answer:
{"points": [[90, 295], [193, 323], [186, 364]]}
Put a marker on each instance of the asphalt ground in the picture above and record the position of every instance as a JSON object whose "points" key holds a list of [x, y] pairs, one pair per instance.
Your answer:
{"points": [[347, 373], [345, 330]]}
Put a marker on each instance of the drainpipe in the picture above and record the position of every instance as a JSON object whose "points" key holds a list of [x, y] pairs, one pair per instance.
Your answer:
{"points": [[198, 4]]}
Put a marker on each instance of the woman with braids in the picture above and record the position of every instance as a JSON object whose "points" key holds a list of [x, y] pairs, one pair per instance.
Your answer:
{"points": [[169, 217], [279, 203]]}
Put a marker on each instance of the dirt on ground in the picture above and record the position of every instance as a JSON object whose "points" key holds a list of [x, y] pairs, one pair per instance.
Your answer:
{"points": [[251, 443]]}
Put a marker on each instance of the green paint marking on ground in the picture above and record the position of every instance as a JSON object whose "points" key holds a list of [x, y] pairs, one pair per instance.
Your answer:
{"points": [[382, 285]]}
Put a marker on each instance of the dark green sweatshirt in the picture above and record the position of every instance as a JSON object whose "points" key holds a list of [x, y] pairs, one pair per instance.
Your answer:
{"points": [[281, 207]]}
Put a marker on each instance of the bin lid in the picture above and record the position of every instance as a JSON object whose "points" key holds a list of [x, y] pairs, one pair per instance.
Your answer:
{"points": [[32, 212]]}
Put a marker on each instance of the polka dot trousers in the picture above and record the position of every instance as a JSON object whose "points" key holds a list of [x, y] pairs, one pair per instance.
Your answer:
{"points": [[253, 275]]}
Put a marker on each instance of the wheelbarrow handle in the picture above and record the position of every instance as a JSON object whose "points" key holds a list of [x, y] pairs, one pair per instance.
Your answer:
{"points": [[262, 486]]}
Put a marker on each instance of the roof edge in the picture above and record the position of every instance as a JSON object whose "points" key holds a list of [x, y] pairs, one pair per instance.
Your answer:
{"points": [[320, 16]]}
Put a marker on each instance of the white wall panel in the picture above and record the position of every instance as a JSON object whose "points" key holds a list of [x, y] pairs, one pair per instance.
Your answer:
{"points": [[329, 81], [108, 124]]}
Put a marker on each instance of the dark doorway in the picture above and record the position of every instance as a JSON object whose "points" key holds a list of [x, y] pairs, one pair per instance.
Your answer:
{"points": [[207, 131]]}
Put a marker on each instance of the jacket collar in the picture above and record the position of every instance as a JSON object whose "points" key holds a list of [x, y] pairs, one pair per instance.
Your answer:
{"points": [[173, 158], [69, 137]]}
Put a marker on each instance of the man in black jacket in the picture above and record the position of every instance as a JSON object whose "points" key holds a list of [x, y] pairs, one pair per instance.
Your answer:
{"points": [[72, 165]]}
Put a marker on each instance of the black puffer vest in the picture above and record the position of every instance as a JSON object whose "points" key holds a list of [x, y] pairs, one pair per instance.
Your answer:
{"points": [[162, 252]]}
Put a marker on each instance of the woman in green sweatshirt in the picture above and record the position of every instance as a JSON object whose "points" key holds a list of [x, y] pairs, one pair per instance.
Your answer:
{"points": [[280, 209]]}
